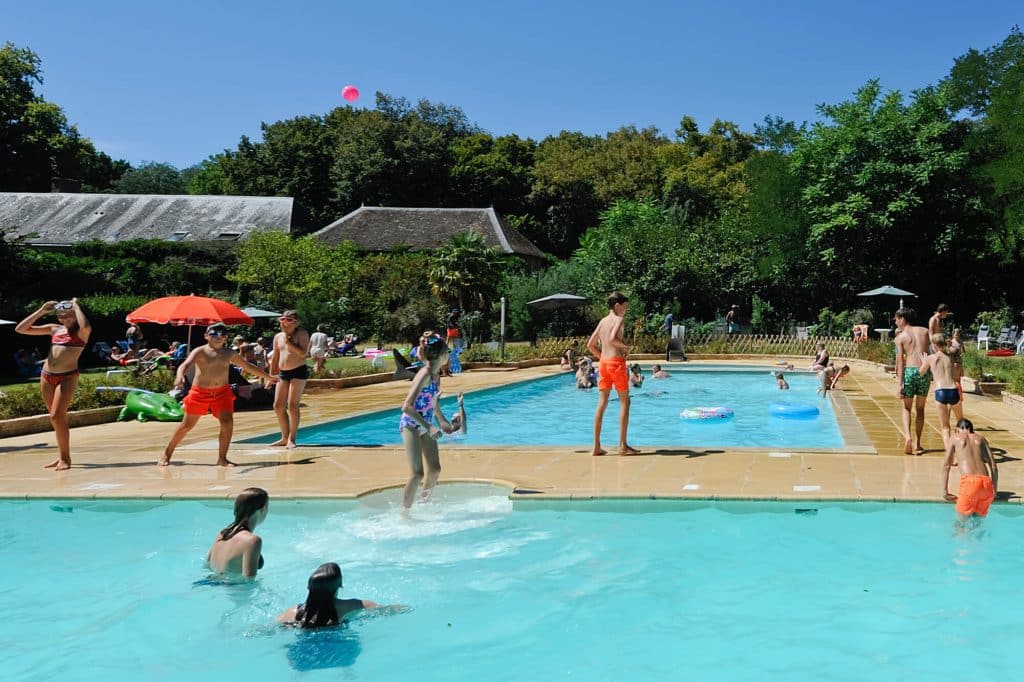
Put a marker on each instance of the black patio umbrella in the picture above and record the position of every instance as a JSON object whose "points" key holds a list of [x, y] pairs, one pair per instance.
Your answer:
{"points": [[557, 302]]}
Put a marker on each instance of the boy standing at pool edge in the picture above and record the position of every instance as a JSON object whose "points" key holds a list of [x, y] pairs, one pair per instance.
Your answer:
{"points": [[979, 477], [607, 343], [210, 390]]}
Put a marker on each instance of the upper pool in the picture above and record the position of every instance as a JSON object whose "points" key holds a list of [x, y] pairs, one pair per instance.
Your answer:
{"points": [[551, 411]]}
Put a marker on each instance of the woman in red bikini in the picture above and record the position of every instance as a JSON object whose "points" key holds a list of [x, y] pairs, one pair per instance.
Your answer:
{"points": [[60, 371]]}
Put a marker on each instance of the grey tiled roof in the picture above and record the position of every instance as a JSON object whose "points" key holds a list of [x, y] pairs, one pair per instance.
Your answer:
{"points": [[382, 228], [56, 218]]}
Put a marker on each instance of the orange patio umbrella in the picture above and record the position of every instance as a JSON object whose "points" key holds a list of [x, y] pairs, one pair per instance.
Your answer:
{"points": [[188, 310]]}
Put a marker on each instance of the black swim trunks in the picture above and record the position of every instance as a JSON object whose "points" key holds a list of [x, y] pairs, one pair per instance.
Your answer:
{"points": [[301, 372]]}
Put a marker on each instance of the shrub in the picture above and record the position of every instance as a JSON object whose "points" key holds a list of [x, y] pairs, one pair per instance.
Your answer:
{"points": [[26, 401], [876, 351], [1017, 381], [481, 353], [995, 319]]}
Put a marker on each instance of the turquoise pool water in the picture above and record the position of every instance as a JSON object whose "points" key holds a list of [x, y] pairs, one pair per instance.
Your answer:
{"points": [[551, 411], [645, 590]]}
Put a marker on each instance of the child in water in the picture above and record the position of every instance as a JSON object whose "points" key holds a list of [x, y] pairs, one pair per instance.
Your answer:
{"points": [[322, 607], [780, 379]]}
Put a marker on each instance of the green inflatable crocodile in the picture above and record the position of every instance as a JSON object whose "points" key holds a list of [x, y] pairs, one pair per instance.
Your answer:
{"points": [[145, 405]]}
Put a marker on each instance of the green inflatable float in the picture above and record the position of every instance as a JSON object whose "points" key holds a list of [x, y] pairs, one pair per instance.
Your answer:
{"points": [[145, 405]]}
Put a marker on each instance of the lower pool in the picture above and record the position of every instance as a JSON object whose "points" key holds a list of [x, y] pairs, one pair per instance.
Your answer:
{"points": [[644, 590], [552, 411]]}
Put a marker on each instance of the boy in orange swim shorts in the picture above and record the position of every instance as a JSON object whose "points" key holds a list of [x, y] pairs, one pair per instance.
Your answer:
{"points": [[979, 477], [606, 343], [210, 391]]}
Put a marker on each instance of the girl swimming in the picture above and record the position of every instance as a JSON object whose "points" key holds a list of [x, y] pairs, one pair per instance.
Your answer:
{"points": [[322, 607]]}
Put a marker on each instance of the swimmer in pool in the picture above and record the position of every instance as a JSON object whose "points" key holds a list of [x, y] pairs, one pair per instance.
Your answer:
{"points": [[636, 376], [237, 549], [658, 373], [780, 379], [322, 607], [458, 423]]}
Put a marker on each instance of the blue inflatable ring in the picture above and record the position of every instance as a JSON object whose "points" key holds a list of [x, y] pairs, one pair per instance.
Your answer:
{"points": [[706, 413], [793, 410]]}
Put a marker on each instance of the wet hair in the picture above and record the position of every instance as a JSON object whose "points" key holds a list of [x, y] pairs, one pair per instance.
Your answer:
{"points": [[939, 340], [635, 368], [965, 424], [248, 502], [942, 308], [845, 368], [778, 375], [434, 347], [655, 368], [615, 298], [320, 610], [907, 314]]}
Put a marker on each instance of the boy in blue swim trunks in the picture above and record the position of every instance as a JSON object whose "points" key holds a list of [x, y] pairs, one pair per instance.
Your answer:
{"points": [[911, 348]]}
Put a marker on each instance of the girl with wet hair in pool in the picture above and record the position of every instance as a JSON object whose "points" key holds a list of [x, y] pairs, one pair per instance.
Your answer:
{"points": [[322, 607], [237, 548], [419, 435], [59, 376]]}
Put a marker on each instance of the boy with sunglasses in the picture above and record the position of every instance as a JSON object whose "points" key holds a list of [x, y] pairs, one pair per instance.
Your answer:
{"points": [[210, 390]]}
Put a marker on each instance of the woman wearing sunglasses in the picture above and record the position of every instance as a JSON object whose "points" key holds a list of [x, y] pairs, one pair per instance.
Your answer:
{"points": [[59, 377]]}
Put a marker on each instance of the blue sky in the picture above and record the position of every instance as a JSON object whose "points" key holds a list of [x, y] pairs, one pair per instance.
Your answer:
{"points": [[179, 81]]}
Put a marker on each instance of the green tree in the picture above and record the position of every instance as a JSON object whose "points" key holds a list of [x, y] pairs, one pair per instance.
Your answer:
{"points": [[464, 273], [283, 270], [151, 178], [36, 141], [884, 193], [704, 171]]}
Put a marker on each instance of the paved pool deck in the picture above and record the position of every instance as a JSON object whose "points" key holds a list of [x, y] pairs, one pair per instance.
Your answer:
{"points": [[117, 460]]}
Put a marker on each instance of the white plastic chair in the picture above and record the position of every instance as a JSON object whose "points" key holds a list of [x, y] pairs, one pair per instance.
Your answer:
{"points": [[801, 333], [983, 336]]}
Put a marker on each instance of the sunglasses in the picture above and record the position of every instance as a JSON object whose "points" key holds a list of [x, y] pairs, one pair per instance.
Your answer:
{"points": [[64, 305], [216, 333], [287, 318], [434, 340]]}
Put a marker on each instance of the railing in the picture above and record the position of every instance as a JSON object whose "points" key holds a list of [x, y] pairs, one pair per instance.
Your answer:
{"points": [[733, 344]]}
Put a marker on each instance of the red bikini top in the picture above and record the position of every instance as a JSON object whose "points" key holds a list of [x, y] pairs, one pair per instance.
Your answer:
{"points": [[61, 337]]}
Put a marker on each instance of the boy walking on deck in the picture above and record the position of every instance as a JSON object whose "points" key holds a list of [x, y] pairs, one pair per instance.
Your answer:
{"points": [[607, 343]]}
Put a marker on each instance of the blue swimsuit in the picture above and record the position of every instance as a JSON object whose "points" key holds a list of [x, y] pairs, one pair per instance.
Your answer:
{"points": [[424, 404]]}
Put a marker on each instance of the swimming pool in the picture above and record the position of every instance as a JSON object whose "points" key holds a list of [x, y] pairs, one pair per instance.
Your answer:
{"points": [[551, 411], [639, 590]]}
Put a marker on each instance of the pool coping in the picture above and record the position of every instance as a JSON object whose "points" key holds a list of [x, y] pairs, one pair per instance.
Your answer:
{"points": [[115, 461]]}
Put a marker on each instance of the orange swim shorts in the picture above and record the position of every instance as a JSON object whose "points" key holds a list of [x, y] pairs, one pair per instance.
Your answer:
{"points": [[975, 495], [613, 372], [201, 401]]}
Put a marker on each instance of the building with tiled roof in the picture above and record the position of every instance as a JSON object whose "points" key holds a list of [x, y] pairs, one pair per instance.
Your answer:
{"points": [[384, 228], [60, 219]]}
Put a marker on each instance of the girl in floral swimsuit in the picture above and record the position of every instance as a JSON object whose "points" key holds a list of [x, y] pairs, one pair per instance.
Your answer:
{"points": [[419, 435]]}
